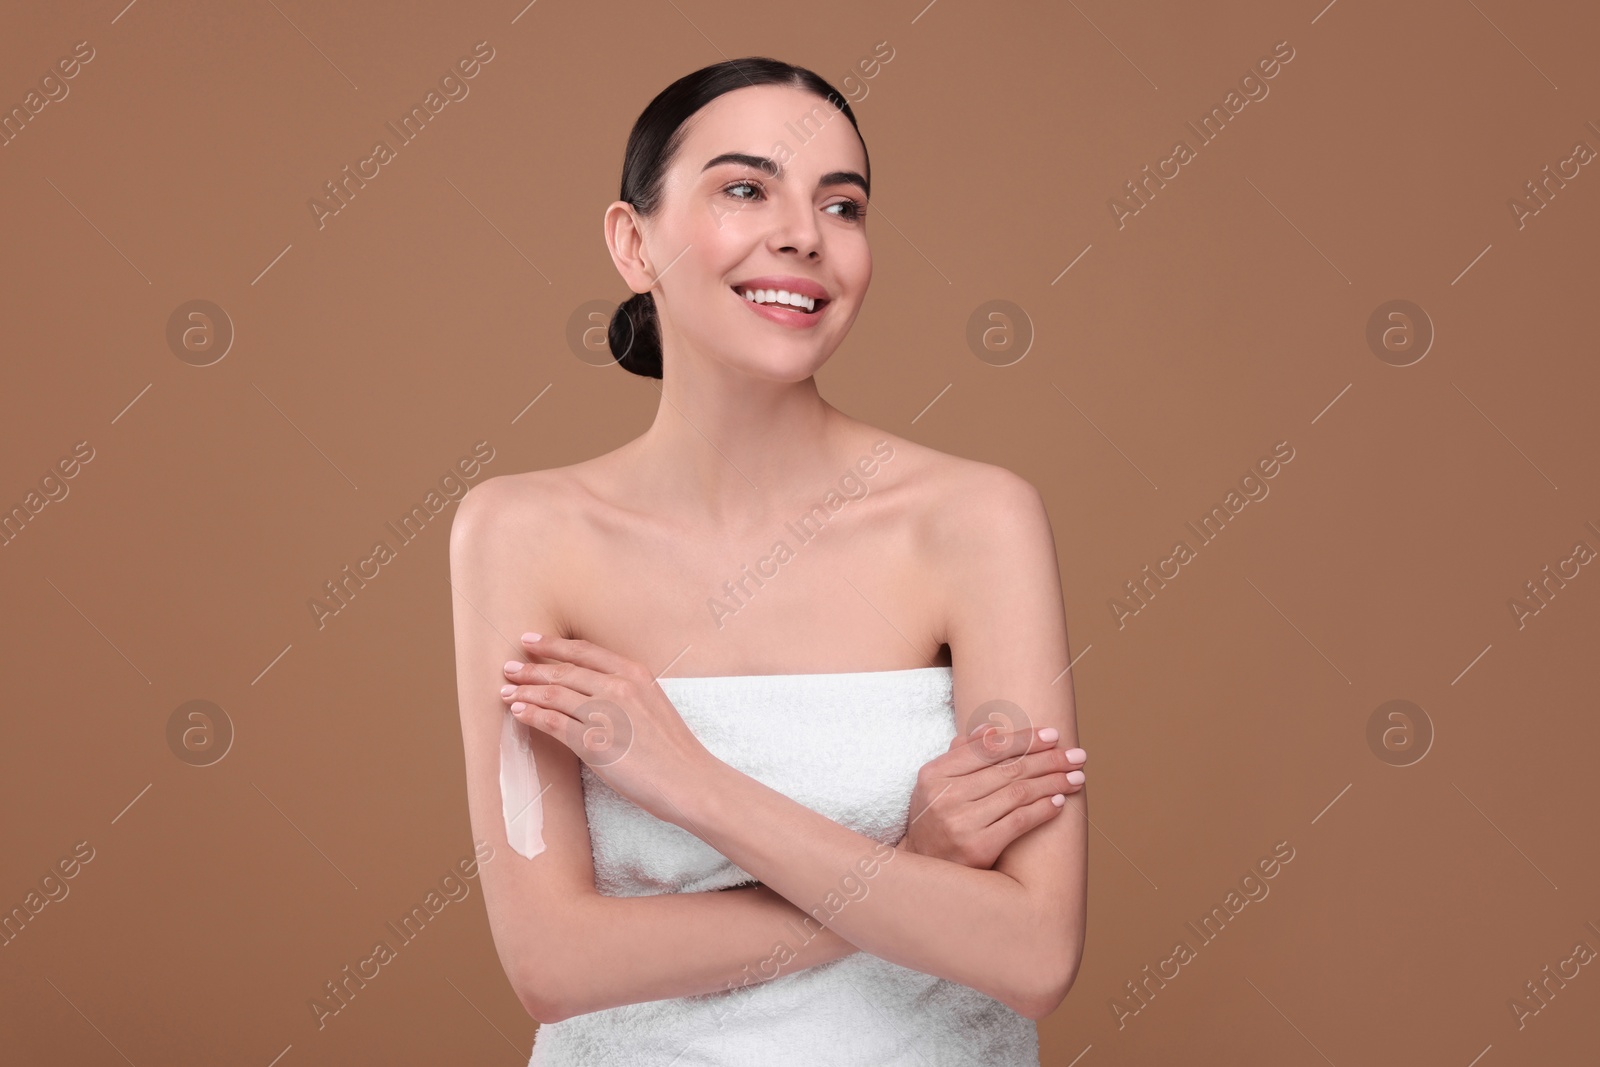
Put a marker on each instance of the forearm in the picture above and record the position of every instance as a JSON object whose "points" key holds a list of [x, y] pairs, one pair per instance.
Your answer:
{"points": [[976, 927], [625, 950]]}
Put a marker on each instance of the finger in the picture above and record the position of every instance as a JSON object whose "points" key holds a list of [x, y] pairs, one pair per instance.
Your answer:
{"points": [[1023, 793], [531, 675], [595, 727], [1020, 821], [580, 652], [986, 780], [988, 747], [527, 700], [598, 732], [531, 699], [984, 747]]}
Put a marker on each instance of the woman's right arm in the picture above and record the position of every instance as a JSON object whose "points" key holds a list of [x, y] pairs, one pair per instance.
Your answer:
{"points": [[565, 948]]}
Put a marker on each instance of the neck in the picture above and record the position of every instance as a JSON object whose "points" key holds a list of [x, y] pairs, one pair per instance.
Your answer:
{"points": [[734, 449]]}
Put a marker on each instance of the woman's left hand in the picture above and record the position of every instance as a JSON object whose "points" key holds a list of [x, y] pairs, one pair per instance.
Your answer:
{"points": [[611, 713]]}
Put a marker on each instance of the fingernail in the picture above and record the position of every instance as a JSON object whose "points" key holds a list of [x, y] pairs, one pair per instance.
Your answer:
{"points": [[513, 665], [1049, 733], [1059, 799], [1077, 755], [507, 690], [518, 706], [1075, 777], [530, 638]]}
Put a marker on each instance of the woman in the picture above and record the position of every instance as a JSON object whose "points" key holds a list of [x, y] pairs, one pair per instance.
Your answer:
{"points": [[721, 866]]}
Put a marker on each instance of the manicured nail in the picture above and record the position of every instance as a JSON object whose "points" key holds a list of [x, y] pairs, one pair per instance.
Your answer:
{"points": [[1075, 777], [1049, 733], [507, 690], [518, 706], [1077, 755], [513, 665], [1059, 799], [530, 638]]}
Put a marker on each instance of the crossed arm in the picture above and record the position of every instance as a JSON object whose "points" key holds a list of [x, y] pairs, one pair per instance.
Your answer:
{"points": [[1014, 932]]}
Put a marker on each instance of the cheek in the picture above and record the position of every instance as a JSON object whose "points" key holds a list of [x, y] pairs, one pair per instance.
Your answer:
{"points": [[721, 224], [855, 268], [715, 252]]}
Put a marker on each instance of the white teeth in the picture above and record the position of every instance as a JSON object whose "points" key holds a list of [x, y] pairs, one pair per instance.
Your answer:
{"points": [[779, 296]]}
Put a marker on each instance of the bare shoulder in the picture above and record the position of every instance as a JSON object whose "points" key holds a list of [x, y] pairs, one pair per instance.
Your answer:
{"points": [[964, 504], [982, 540], [527, 508]]}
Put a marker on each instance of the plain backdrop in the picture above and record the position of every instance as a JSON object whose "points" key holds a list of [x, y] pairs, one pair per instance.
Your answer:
{"points": [[1343, 272]]}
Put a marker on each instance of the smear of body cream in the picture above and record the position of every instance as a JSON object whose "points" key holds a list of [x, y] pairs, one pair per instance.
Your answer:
{"points": [[520, 799]]}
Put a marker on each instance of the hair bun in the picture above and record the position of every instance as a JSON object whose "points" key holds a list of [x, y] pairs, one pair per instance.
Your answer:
{"points": [[634, 337]]}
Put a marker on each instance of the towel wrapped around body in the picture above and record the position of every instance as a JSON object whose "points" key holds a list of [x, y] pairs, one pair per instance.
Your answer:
{"points": [[848, 746]]}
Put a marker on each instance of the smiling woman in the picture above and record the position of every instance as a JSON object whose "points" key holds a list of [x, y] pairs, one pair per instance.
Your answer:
{"points": [[737, 194], [742, 861]]}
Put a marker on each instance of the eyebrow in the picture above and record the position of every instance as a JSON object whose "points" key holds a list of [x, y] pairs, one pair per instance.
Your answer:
{"points": [[837, 177]]}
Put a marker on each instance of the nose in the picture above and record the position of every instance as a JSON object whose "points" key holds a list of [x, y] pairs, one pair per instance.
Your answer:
{"points": [[796, 230]]}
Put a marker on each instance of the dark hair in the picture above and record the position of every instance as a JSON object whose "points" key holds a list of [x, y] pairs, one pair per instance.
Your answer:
{"points": [[634, 336]]}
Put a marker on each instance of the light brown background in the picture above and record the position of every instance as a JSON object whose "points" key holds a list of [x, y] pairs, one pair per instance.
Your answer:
{"points": [[1228, 315]]}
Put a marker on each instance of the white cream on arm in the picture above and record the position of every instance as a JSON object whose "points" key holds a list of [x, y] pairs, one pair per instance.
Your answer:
{"points": [[520, 796]]}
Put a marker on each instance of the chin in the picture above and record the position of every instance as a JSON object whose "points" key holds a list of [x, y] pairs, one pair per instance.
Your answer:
{"points": [[760, 357], [789, 371]]}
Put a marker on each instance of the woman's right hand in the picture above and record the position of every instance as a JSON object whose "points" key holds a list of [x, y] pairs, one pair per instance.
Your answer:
{"points": [[987, 791]]}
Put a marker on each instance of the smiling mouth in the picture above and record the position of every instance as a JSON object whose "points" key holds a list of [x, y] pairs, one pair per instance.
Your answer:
{"points": [[778, 298]]}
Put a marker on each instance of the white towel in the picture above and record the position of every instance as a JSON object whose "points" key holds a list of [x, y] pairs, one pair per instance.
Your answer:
{"points": [[846, 745]]}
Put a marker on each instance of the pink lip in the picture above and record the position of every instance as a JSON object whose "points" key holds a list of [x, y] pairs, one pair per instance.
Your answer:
{"points": [[791, 317]]}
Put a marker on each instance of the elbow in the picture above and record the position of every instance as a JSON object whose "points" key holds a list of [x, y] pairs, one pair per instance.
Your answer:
{"points": [[540, 1007], [555, 982], [1053, 980], [549, 993], [541, 1003], [1053, 955], [1046, 998]]}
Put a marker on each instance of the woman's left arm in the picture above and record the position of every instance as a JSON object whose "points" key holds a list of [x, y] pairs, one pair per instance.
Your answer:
{"points": [[1014, 932]]}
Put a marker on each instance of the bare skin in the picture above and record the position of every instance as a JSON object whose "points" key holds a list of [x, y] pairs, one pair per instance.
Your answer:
{"points": [[944, 562], [621, 580], [989, 790]]}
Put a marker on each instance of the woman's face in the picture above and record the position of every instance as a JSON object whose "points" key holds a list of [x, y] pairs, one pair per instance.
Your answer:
{"points": [[789, 214]]}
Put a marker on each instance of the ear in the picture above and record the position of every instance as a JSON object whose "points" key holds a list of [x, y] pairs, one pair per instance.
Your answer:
{"points": [[625, 239]]}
